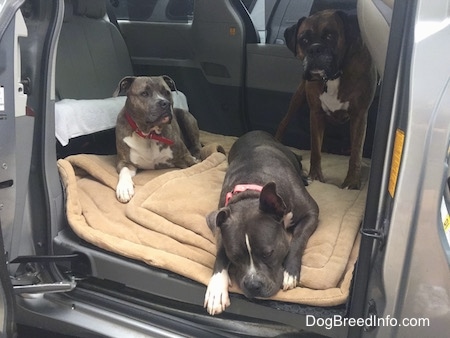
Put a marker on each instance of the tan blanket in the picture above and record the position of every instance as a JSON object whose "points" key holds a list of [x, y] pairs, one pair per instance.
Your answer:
{"points": [[164, 224]]}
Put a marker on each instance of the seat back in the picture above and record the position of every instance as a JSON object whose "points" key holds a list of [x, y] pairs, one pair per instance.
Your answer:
{"points": [[92, 55], [374, 18]]}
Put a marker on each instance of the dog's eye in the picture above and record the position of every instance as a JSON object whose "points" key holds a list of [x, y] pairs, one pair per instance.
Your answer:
{"points": [[144, 93], [329, 37], [304, 41]]}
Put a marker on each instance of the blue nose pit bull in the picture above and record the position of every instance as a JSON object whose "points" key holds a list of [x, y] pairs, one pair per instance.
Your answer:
{"points": [[263, 223], [150, 132]]}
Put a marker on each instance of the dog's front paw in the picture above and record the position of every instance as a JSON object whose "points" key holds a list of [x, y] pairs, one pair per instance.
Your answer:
{"points": [[352, 182], [125, 190], [289, 281], [216, 297]]}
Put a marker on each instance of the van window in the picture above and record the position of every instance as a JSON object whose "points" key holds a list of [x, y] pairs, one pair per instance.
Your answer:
{"points": [[272, 17], [177, 11]]}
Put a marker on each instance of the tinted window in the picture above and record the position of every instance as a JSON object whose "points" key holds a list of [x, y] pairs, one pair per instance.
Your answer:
{"points": [[180, 10]]}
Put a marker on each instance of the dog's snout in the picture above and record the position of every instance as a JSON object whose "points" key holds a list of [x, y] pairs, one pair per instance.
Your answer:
{"points": [[316, 49], [253, 286], [163, 103]]}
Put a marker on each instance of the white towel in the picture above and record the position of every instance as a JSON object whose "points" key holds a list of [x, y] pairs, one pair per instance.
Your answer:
{"points": [[75, 118]]}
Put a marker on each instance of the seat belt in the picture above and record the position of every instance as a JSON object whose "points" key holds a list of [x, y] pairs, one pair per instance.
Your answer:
{"points": [[112, 16]]}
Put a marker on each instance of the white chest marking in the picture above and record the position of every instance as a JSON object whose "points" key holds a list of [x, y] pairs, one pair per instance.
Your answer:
{"points": [[252, 269], [329, 99], [147, 154]]}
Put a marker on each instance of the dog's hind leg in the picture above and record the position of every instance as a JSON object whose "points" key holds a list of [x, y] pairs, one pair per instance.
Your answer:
{"points": [[189, 131]]}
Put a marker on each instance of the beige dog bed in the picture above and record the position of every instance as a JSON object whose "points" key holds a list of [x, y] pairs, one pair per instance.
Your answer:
{"points": [[164, 224]]}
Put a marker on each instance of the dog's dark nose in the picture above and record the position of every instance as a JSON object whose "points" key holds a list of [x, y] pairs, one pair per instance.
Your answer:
{"points": [[163, 103], [316, 49], [253, 286]]}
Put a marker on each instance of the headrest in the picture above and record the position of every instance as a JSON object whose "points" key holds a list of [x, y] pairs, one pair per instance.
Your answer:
{"points": [[95, 9]]}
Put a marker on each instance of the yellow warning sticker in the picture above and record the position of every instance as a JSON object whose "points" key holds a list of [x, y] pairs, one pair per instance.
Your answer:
{"points": [[447, 223], [445, 219], [396, 159]]}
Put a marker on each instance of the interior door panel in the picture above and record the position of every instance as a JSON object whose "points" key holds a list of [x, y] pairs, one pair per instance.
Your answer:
{"points": [[157, 40]]}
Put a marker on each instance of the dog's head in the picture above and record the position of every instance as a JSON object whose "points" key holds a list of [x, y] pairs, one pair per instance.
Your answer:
{"points": [[321, 41], [149, 100], [253, 234]]}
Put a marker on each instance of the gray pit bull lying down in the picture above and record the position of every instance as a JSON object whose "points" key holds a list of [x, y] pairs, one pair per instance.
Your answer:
{"points": [[263, 223]]}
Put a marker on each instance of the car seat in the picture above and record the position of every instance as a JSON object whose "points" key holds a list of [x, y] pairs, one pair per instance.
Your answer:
{"points": [[92, 55]]}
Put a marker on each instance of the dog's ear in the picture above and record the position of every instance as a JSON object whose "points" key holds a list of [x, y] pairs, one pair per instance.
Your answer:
{"points": [[270, 201], [351, 26], [170, 83], [216, 218], [124, 85], [290, 36]]}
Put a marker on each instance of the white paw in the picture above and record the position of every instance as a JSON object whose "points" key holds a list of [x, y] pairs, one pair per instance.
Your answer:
{"points": [[125, 190], [289, 281], [216, 297], [125, 186]]}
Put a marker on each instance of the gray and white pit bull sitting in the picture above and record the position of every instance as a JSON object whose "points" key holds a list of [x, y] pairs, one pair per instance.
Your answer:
{"points": [[150, 132], [264, 221]]}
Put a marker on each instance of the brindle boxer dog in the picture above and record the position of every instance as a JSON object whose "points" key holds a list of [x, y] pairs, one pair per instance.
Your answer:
{"points": [[339, 83]]}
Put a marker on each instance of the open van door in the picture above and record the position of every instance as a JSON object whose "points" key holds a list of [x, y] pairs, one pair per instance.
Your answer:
{"points": [[12, 107], [12, 114]]}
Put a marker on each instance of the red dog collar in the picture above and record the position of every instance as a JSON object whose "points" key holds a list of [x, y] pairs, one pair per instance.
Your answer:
{"points": [[152, 135], [240, 188]]}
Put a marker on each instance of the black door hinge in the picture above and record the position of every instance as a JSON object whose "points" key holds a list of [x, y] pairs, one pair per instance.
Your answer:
{"points": [[26, 279], [376, 234], [372, 315]]}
